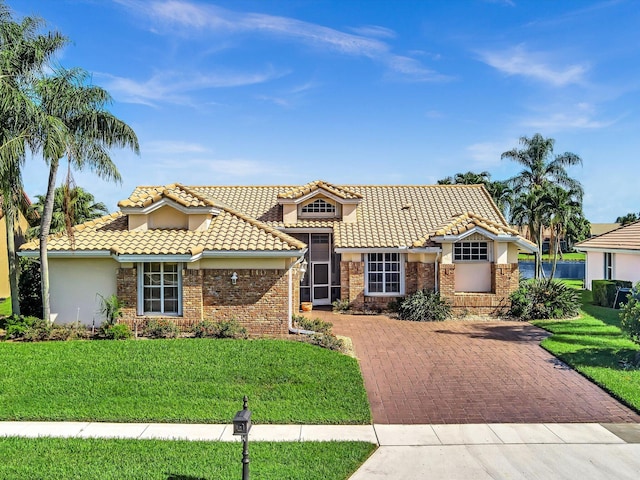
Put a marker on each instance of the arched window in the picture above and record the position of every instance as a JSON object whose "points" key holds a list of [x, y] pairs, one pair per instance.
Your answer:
{"points": [[319, 206]]}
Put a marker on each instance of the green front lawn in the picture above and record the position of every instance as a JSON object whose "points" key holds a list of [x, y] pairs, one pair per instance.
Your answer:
{"points": [[595, 346], [56, 458], [183, 381]]}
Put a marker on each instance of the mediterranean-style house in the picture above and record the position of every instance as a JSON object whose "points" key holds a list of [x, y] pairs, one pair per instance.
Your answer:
{"points": [[614, 255], [254, 253]]}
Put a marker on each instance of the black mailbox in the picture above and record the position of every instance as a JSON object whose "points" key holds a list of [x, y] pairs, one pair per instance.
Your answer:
{"points": [[242, 422]]}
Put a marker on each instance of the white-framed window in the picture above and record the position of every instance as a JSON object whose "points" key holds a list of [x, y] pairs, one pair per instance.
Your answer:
{"points": [[471, 252], [384, 274], [319, 208], [160, 288], [608, 266]]}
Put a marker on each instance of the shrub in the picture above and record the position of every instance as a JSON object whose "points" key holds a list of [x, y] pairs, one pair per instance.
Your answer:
{"points": [[424, 306], [542, 298], [119, 331], [160, 328], [630, 316], [604, 291], [342, 305], [69, 331], [219, 329], [314, 325], [111, 308], [326, 340], [29, 288], [28, 328]]}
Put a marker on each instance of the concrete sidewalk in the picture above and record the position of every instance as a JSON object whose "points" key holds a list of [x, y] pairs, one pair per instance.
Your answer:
{"points": [[549, 451]]}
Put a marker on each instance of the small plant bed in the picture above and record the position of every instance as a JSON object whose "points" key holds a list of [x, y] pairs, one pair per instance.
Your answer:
{"points": [[28, 458], [180, 380], [594, 345]]}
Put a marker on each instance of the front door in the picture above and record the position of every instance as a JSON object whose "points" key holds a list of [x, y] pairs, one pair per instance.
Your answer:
{"points": [[320, 262]]}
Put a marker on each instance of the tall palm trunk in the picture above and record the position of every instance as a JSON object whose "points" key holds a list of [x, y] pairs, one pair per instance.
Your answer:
{"points": [[45, 224], [11, 259], [554, 262]]}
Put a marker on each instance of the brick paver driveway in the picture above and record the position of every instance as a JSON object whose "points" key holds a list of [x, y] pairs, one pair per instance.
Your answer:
{"points": [[469, 372]]}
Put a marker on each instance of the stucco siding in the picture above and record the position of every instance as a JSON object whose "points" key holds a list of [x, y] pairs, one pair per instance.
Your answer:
{"points": [[473, 277], [594, 268], [75, 284], [626, 267]]}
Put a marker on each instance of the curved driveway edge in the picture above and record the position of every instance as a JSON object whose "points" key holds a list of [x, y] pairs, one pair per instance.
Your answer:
{"points": [[457, 372]]}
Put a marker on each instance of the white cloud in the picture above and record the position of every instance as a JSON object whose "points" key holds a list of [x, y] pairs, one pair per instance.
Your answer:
{"points": [[579, 116], [374, 31], [487, 154], [172, 87], [191, 17], [536, 65], [171, 147]]}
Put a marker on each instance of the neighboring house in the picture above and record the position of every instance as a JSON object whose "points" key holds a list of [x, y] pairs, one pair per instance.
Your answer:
{"points": [[20, 227], [193, 253], [614, 255]]}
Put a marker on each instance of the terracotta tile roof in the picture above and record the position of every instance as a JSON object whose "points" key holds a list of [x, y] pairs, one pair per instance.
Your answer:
{"points": [[298, 192], [622, 238], [251, 218], [145, 196], [228, 231], [388, 216]]}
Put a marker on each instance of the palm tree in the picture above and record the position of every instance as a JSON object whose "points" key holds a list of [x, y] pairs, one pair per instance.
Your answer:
{"points": [[90, 131], [502, 195], [75, 202], [23, 54], [540, 170], [472, 178], [561, 206]]}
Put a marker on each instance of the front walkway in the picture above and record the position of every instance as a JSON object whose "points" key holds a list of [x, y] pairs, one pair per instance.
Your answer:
{"points": [[458, 372]]}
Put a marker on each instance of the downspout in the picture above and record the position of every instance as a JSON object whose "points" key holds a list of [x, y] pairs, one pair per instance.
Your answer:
{"points": [[290, 313], [436, 286]]}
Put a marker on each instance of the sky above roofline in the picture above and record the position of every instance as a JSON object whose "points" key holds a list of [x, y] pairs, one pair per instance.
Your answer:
{"points": [[240, 92]]}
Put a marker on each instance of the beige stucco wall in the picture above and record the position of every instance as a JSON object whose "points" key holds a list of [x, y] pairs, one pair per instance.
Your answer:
{"points": [[21, 229], [447, 253], [168, 217], [422, 257], [594, 269], [75, 284], [473, 277]]}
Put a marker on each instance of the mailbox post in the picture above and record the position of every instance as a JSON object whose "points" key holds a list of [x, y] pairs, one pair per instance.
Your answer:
{"points": [[241, 426]]}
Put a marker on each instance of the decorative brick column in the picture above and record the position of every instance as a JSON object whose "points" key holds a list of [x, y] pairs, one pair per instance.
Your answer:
{"points": [[447, 279], [504, 279], [192, 296], [352, 283], [426, 276], [127, 292]]}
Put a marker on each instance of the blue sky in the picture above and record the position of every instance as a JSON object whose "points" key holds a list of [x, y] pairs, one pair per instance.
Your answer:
{"points": [[360, 91]]}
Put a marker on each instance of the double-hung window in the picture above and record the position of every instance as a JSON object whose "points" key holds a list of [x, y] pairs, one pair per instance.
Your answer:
{"points": [[384, 274], [160, 288]]}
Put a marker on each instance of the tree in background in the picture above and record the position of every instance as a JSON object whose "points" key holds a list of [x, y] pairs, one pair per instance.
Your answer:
{"points": [[560, 205], [24, 53], [542, 172], [71, 205], [90, 131], [628, 218]]}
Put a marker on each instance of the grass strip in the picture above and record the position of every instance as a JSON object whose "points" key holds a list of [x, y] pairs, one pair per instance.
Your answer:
{"points": [[73, 458], [594, 345], [180, 381]]}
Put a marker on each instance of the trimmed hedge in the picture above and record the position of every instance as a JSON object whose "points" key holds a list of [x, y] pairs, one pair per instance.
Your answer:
{"points": [[604, 291]]}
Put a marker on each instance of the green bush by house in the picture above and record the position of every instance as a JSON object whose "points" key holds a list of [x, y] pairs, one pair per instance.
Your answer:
{"points": [[604, 291]]}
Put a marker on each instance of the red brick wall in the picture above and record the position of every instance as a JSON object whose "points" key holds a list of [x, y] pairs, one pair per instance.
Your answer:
{"points": [[352, 283], [259, 300]]}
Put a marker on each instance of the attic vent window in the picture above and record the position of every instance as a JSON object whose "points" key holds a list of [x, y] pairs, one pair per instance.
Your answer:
{"points": [[319, 206]]}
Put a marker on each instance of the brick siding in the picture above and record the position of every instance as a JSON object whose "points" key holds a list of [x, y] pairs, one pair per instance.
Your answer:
{"points": [[259, 301]]}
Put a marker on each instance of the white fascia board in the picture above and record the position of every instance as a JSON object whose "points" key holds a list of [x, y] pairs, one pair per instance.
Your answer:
{"points": [[253, 253], [525, 245], [171, 203], [425, 250], [607, 250], [153, 258], [305, 230], [373, 250]]}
